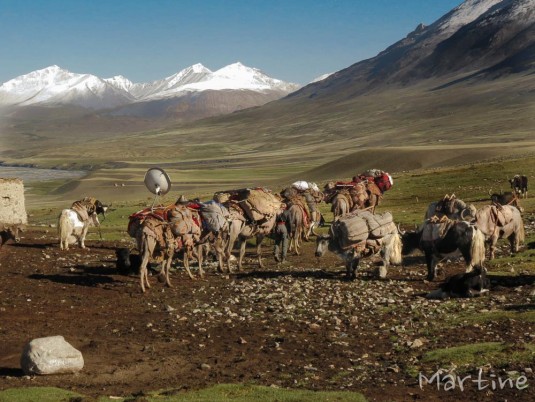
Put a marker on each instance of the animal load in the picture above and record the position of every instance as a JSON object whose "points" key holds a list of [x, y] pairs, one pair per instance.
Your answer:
{"points": [[183, 223], [359, 226], [84, 207], [305, 194], [301, 185], [137, 218], [259, 204], [353, 229], [380, 178], [178, 217], [12, 207], [215, 216], [435, 229], [355, 192]]}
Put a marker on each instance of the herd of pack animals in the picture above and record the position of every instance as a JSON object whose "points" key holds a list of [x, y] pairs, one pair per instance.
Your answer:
{"points": [[195, 228]]}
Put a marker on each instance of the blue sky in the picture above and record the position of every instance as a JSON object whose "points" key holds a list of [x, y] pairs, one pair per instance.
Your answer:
{"points": [[293, 40]]}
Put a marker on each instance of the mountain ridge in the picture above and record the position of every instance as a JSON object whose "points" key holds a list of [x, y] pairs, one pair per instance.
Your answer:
{"points": [[56, 86]]}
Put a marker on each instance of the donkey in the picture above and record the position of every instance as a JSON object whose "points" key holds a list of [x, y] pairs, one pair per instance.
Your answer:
{"points": [[297, 220], [155, 239], [340, 206], [240, 229]]}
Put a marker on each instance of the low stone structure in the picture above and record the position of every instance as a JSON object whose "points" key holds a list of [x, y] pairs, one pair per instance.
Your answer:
{"points": [[12, 205]]}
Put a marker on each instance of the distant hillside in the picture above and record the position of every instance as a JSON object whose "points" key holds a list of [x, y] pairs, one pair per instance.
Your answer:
{"points": [[478, 39]]}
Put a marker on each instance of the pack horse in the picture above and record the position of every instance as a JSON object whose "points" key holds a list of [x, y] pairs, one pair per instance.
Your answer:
{"points": [[441, 237], [362, 234], [74, 222]]}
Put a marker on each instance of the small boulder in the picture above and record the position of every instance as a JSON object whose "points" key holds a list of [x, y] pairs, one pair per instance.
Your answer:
{"points": [[50, 355]]}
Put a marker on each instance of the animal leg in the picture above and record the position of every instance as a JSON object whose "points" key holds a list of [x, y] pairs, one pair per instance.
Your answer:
{"points": [[187, 253], [492, 248], [514, 243], [143, 274], [431, 262], [232, 237], [259, 239], [242, 244], [201, 271], [200, 256], [352, 263], [166, 266], [81, 240], [220, 251]]}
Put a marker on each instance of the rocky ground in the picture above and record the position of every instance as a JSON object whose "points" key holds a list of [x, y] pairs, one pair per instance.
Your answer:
{"points": [[300, 325]]}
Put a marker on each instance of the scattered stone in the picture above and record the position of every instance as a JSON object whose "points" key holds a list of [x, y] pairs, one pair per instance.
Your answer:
{"points": [[205, 367], [394, 368], [50, 355]]}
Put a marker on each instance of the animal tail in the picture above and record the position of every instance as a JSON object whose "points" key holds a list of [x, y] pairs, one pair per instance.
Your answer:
{"points": [[397, 247], [64, 227], [477, 248], [521, 233]]}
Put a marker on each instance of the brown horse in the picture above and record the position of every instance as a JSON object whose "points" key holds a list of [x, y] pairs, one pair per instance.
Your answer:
{"points": [[155, 240], [298, 226], [341, 205], [159, 233]]}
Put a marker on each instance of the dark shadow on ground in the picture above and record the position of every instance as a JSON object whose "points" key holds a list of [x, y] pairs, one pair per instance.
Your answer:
{"points": [[33, 245], [520, 307], [498, 281], [76, 279], [11, 372]]}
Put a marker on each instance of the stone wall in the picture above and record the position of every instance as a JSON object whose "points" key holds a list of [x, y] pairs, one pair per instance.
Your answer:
{"points": [[12, 208]]}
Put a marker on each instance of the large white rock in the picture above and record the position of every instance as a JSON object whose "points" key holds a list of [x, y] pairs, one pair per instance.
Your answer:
{"points": [[51, 355]]}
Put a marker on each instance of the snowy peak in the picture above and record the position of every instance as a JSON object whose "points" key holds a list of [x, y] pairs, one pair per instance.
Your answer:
{"points": [[238, 77], [120, 82], [465, 13], [195, 73], [54, 85]]}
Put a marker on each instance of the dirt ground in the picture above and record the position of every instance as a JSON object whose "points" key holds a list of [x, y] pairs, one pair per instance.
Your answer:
{"points": [[295, 326]]}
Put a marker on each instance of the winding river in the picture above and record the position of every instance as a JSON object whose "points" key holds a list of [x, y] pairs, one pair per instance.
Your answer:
{"points": [[29, 175]]}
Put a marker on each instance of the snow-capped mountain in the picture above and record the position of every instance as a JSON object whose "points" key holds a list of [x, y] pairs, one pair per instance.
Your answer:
{"points": [[232, 77], [56, 86], [53, 85], [479, 39]]}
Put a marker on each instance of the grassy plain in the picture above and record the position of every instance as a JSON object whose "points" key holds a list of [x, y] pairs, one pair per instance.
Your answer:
{"points": [[421, 127], [217, 393]]}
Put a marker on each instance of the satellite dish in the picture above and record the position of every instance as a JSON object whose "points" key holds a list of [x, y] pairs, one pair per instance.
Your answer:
{"points": [[157, 181]]}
